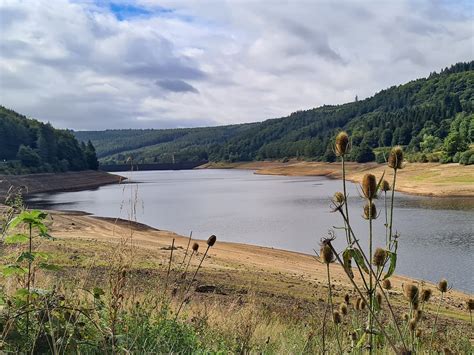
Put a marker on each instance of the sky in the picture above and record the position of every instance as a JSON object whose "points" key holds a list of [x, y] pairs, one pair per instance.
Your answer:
{"points": [[93, 65]]}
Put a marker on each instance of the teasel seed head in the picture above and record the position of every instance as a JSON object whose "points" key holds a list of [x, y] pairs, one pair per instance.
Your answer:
{"points": [[379, 258], [195, 247], [470, 304], [386, 284], [326, 253], [379, 298], [342, 144], [369, 186], [418, 314], [385, 186], [411, 293], [370, 211], [406, 317], [347, 298], [395, 158], [443, 285], [211, 240], [338, 198], [343, 309], [415, 304], [412, 325], [426, 294], [362, 304], [337, 317]]}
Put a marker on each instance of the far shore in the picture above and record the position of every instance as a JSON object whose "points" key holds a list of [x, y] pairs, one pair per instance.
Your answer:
{"points": [[55, 182], [426, 179]]}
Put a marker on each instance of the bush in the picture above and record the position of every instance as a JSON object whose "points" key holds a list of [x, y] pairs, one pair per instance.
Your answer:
{"points": [[467, 158]]}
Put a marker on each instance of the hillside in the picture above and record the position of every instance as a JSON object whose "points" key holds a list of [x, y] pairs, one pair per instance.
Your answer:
{"points": [[432, 117], [30, 146]]}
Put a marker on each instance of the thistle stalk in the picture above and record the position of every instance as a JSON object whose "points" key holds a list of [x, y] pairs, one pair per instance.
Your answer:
{"points": [[348, 226], [332, 308]]}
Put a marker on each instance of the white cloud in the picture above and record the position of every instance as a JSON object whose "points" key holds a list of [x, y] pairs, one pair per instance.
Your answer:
{"points": [[176, 63]]}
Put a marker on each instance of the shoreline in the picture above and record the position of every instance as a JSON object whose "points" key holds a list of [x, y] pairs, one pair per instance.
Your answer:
{"points": [[229, 266], [56, 182], [422, 179]]}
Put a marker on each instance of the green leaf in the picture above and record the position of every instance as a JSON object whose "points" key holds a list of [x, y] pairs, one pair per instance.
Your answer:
{"points": [[347, 259], [17, 239], [98, 292], [26, 256], [42, 255], [13, 269], [21, 293], [50, 267], [357, 255], [33, 217], [361, 341], [393, 264]]}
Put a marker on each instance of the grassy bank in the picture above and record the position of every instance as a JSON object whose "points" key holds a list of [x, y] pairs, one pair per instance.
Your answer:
{"points": [[428, 179], [245, 299]]}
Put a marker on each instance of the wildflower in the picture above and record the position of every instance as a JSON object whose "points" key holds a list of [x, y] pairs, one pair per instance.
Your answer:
{"points": [[386, 284], [212, 240], [379, 258], [385, 186], [337, 317], [195, 247], [443, 286], [369, 186], [370, 212], [326, 253], [338, 198], [411, 293], [343, 309], [426, 294]]}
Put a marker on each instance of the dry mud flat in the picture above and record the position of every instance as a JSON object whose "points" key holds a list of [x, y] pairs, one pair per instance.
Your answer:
{"points": [[428, 179]]}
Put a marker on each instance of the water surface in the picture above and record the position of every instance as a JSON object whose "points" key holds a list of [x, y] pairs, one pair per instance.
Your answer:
{"points": [[293, 213]]}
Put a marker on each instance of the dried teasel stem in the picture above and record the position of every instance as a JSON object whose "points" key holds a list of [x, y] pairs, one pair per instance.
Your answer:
{"points": [[443, 288], [187, 249]]}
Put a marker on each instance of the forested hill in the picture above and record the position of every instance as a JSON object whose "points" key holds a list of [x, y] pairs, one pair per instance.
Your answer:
{"points": [[29, 146], [432, 117]]}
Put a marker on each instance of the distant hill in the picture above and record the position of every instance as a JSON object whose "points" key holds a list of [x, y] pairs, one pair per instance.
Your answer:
{"points": [[29, 146], [433, 118]]}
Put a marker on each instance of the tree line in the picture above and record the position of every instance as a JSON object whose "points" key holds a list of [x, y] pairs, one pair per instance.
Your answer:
{"points": [[30, 146]]}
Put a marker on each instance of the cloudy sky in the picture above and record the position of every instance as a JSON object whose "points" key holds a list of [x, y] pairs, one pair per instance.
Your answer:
{"points": [[158, 64]]}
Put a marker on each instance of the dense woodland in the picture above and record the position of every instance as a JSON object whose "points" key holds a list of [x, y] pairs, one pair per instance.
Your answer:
{"points": [[433, 118], [30, 146]]}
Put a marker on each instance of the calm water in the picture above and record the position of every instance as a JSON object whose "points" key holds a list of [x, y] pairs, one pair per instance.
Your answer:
{"points": [[437, 234]]}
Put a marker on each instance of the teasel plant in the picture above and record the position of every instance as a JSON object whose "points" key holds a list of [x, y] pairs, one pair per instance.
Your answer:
{"points": [[443, 287], [327, 257], [210, 243], [341, 149], [372, 268]]}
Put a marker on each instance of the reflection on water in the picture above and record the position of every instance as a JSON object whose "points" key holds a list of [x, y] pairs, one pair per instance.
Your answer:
{"points": [[436, 234]]}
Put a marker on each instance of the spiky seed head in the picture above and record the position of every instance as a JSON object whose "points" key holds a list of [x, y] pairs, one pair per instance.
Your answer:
{"points": [[370, 211], [426, 294], [395, 158], [362, 304], [419, 333], [386, 284], [415, 304], [379, 298], [418, 314], [369, 186], [411, 293], [342, 144], [347, 298], [379, 258], [326, 253], [385, 186], [412, 325], [195, 247], [211, 240], [337, 317], [443, 285], [338, 198], [343, 309], [470, 304]]}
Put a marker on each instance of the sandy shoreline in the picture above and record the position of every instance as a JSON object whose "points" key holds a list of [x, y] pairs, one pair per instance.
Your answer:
{"points": [[232, 266], [425, 179]]}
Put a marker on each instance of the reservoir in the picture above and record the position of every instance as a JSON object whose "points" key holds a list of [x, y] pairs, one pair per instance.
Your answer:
{"points": [[293, 213]]}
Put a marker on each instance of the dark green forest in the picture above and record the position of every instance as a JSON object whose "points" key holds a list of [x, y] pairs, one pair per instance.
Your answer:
{"points": [[432, 118], [30, 146]]}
